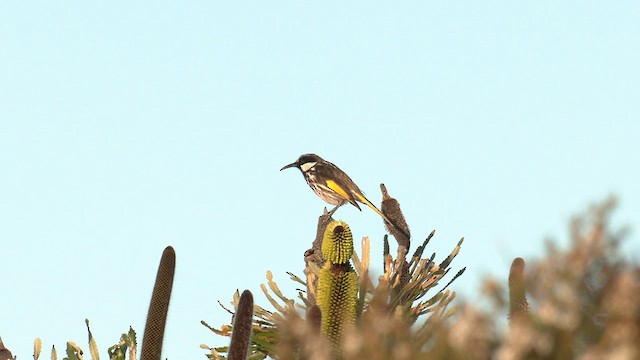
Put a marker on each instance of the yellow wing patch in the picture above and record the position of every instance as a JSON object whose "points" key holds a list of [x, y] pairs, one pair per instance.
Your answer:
{"points": [[335, 187]]}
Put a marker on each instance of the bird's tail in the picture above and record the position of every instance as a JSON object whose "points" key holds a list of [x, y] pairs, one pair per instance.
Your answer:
{"points": [[366, 201]]}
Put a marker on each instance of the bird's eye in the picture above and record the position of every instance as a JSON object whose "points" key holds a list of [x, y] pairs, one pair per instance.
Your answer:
{"points": [[307, 166]]}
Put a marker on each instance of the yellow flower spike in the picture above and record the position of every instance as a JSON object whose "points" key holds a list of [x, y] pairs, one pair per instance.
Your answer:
{"points": [[337, 284], [337, 243]]}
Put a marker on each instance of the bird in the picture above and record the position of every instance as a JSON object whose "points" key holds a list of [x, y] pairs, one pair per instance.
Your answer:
{"points": [[331, 184]]}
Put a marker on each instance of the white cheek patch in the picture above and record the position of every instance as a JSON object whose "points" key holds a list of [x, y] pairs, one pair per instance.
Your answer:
{"points": [[306, 166]]}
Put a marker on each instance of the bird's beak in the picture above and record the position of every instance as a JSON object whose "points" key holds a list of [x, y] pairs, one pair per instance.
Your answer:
{"points": [[294, 164]]}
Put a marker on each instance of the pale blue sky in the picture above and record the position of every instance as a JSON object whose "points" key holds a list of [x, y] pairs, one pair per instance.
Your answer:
{"points": [[127, 127]]}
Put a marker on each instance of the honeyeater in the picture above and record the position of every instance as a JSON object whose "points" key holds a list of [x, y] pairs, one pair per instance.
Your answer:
{"points": [[331, 184]]}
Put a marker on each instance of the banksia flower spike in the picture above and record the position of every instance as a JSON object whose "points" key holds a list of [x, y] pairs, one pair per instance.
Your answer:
{"points": [[241, 337], [337, 284]]}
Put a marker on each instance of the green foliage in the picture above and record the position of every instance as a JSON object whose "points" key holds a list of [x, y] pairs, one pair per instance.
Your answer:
{"points": [[126, 346], [128, 343], [73, 351]]}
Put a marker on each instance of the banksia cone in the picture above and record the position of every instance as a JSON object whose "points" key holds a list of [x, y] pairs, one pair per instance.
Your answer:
{"points": [[337, 284], [398, 227], [241, 337], [337, 244], [517, 292], [337, 295]]}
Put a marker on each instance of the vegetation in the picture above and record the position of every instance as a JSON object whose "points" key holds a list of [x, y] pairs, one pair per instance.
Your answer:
{"points": [[579, 302], [575, 303]]}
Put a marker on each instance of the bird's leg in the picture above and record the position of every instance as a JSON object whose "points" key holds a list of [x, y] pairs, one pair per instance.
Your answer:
{"points": [[330, 214]]}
